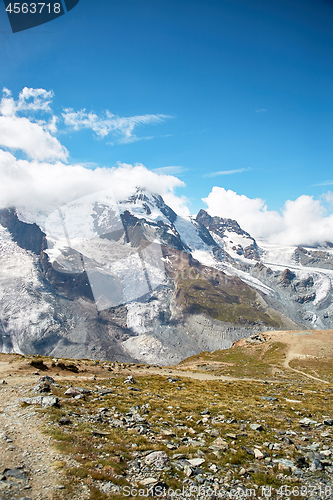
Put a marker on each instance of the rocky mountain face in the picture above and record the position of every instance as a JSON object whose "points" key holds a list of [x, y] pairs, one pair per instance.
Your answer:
{"points": [[133, 281]]}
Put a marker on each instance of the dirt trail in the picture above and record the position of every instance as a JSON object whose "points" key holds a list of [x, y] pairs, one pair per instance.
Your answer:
{"points": [[27, 459], [293, 355], [28, 462], [310, 346], [178, 372], [24, 450], [299, 345]]}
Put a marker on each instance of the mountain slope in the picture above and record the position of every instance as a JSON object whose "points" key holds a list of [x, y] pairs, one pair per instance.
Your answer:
{"points": [[134, 281]]}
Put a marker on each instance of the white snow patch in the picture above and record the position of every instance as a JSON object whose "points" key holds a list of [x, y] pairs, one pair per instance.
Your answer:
{"points": [[145, 347], [138, 314], [189, 234], [24, 307]]}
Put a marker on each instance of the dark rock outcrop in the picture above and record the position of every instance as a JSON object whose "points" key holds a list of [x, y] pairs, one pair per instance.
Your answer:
{"points": [[27, 236], [219, 225]]}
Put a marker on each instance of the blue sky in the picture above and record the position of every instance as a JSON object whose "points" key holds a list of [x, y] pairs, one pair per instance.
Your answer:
{"points": [[244, 87]]}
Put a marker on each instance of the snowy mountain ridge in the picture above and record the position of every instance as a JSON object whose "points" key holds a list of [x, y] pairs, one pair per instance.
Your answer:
{"points": [[132, 280]]}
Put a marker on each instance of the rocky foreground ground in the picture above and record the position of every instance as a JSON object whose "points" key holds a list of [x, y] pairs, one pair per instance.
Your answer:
{"points": [[77, 429]]}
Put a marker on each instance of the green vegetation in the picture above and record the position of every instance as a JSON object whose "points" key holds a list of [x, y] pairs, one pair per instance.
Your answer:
{"points": [[102, 452], [316, 367], [252, 361], [225, 299]]}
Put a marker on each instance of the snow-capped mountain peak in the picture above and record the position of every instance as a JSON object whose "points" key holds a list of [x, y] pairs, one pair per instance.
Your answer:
{"points": [[97, 273]]}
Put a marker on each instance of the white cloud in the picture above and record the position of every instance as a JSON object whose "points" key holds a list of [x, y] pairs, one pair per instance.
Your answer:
{"points": [[301, 222], [19, 133], [44, 186], [325, 183], [21, 127], [35, 100], [261, 110], [172, 170], [120, 128], [177, 203], [29, 100], [44, 181], [328, 197], [227, 172], [29, 135]]}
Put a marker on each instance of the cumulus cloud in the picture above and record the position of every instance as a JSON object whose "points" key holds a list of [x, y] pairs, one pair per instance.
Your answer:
{"points": [[27, 134], [303, 221], [43, 186], [120, 128], [19, 133], [44, 180], [23, 128], [29, 100]]}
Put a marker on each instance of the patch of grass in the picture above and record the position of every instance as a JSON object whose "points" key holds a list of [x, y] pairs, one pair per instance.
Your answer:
{"points": [[96, 494], [244, 361], [317, 367], [38, 363], [103, 452], [226, 299]]}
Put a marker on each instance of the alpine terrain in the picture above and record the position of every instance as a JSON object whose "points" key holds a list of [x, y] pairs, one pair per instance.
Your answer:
{"points": [[133, 281]]}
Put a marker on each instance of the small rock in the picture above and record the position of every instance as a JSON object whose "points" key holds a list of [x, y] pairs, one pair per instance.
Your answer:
{"points": [[79, 396], [42, 387], [17, 473], [301, 463], [248, 450], [188, 471], [105, 392], [284, 464], [328, 421], [256, 427], [45, 401], [258, 454], [158, 459], [305, 422], [316, 465], [219, 444], [195, 462], [129, 380], [134, 409], [72, 392], [168, 433], [148, 481], [47, 379], [256, 338], [214, 468], [65, 421]]}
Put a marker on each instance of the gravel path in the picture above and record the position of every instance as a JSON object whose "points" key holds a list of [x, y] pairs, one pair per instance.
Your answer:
{"points": [[26, 470]]}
